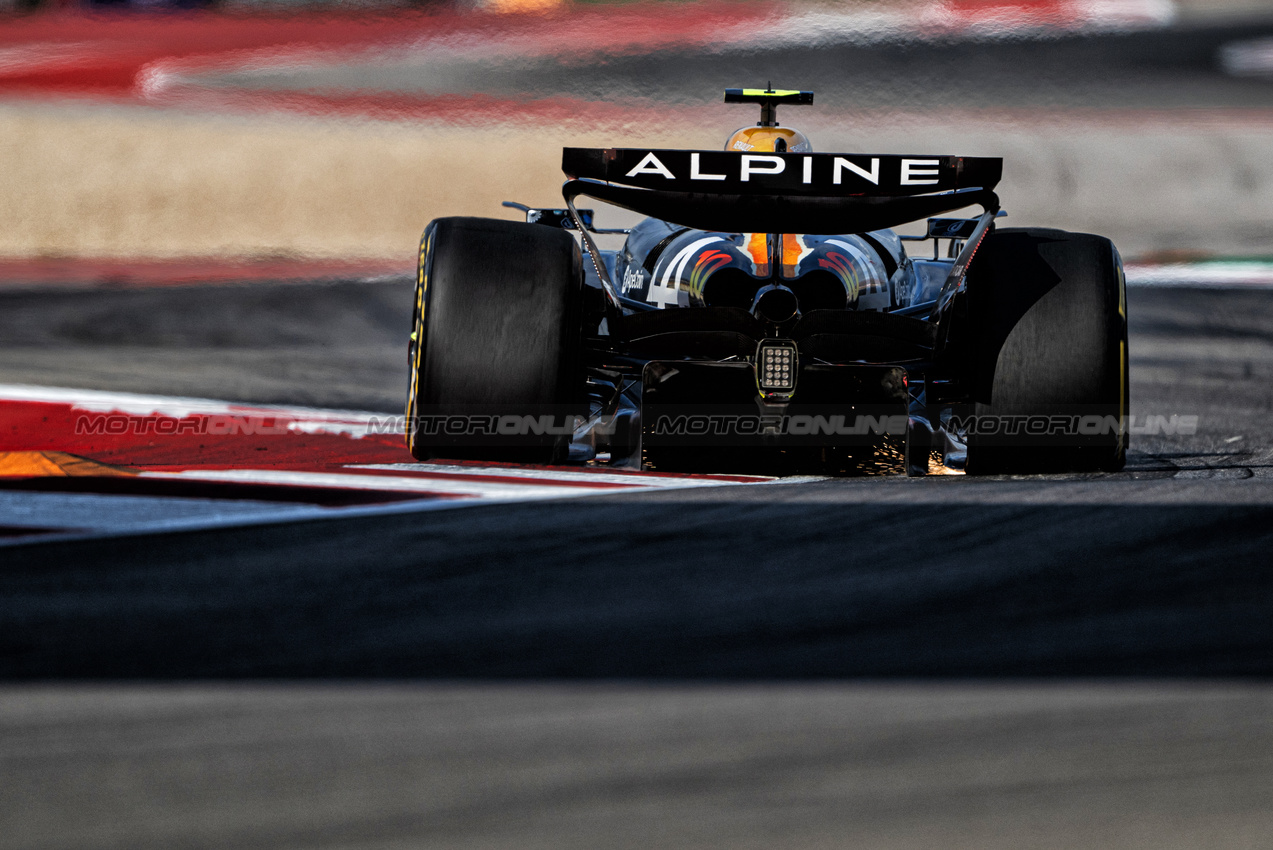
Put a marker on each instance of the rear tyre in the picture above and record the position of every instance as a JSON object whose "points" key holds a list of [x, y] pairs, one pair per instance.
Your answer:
{"points": [[1048, 332], [495, 365]]}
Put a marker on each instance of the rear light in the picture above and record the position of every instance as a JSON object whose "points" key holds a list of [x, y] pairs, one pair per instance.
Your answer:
{"points": [[777, 364]]}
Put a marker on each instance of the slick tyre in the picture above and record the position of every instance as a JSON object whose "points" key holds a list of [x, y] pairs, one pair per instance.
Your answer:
{"points": [[1047, 314], [495, 369]]}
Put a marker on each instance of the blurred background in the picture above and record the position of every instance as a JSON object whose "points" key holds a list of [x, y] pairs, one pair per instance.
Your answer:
{"points": [[285, 129]]}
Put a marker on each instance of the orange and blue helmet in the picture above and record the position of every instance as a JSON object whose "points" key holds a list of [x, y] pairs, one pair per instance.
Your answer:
{"points": [[769, 140]]}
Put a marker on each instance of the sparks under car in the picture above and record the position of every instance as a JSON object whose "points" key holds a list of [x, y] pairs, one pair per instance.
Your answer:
{"points": [[766, 315]]}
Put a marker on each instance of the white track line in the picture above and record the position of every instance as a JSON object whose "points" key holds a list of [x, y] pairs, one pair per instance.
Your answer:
{"points": [[594, 474], [440, 486], [532, 489], [95, 512], [274, 514], [1233, 274]]}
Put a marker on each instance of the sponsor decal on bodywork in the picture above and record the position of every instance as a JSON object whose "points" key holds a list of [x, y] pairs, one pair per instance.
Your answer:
{"points": [[665, 289], [795, 248], [707, 262], [633, 279], [757, 245]]}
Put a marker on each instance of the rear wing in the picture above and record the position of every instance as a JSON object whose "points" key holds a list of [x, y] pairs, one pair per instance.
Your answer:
{"points": [[737, 192], [780, 193]]}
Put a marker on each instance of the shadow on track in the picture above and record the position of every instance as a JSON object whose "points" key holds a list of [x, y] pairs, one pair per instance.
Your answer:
{"points": [[810, 581]]}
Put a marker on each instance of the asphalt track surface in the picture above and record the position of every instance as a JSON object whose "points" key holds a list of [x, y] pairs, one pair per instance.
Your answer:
{"points": [[1058, 662], [1156, 571], [330, 344]]}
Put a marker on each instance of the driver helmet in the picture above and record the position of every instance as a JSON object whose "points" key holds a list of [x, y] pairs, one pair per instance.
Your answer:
{"points": [[769, 140]]}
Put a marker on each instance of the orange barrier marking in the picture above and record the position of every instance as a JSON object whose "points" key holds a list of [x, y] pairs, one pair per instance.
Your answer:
{"points": [[54, 465], [522, 6]]}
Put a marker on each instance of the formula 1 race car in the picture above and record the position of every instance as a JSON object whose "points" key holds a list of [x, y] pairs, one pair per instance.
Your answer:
{"points": [[765, 317]]}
